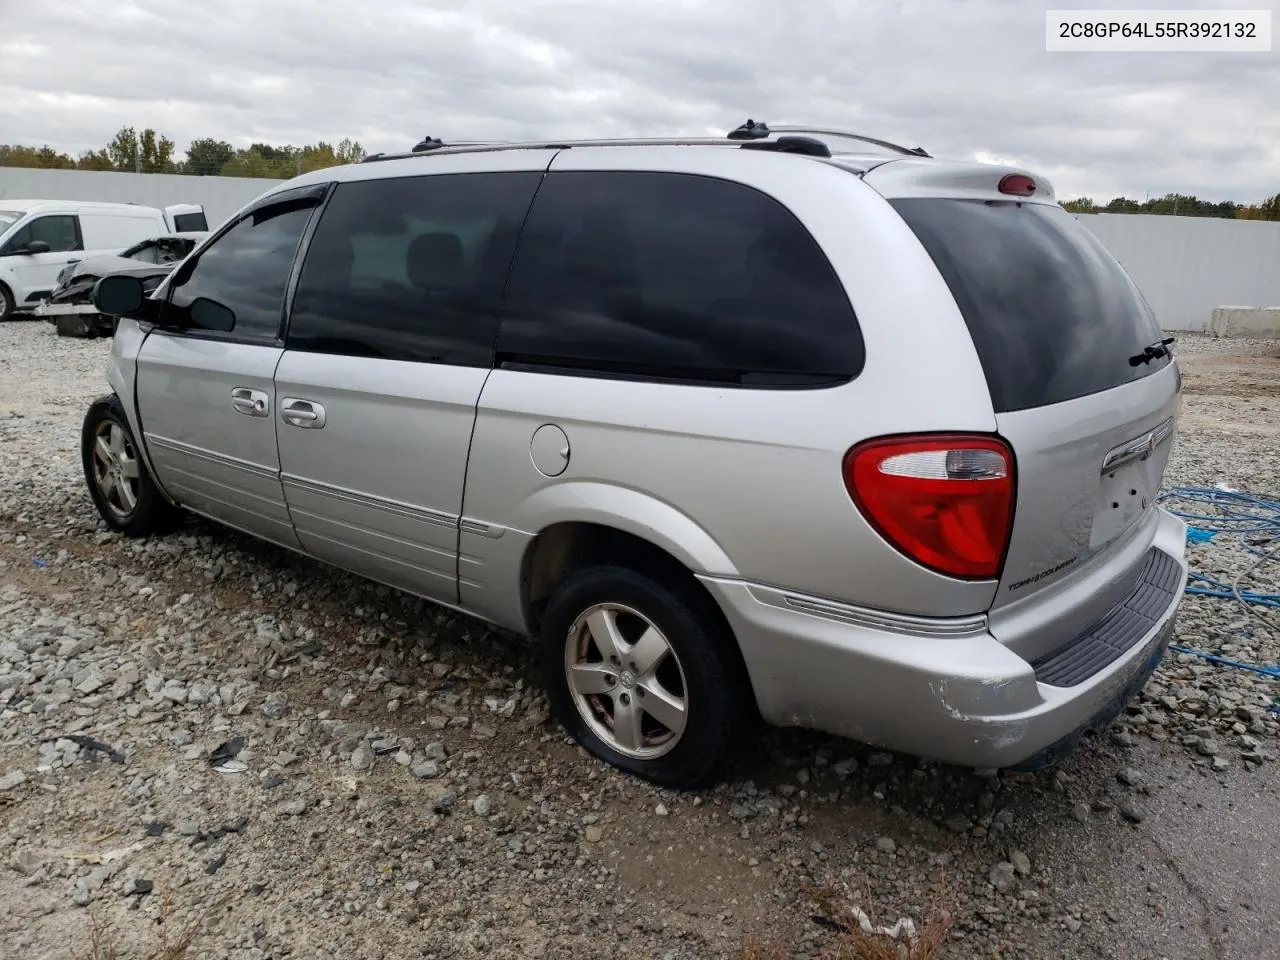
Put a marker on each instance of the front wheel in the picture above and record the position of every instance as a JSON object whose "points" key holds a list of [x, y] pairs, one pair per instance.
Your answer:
{"points": [[641, 675], [119, 484], [7, 305]]}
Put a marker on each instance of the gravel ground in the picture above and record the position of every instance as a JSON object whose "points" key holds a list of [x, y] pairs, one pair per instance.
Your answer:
{"points": [[202, 725]]}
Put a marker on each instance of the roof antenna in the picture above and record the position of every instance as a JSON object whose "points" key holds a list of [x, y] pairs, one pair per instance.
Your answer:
{"points": [[750, 131], [428, 143]]}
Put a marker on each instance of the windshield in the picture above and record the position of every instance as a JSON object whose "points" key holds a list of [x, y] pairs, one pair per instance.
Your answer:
{"points": [[8, 218]]}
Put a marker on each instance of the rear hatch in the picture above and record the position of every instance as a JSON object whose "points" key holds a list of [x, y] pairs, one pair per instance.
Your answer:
{"points": [[1083, 388]]}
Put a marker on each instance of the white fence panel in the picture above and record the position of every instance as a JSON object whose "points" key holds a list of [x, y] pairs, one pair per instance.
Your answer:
{"points": [[1187, 266], [220, 196]]}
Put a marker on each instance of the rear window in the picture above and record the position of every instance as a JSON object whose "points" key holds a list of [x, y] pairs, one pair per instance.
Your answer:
{"points": [[190, 222], [1051, 313]]}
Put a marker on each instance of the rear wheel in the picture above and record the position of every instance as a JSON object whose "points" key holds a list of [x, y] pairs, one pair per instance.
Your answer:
{"points": [[119, 484], [640, 673], [6, 303]]}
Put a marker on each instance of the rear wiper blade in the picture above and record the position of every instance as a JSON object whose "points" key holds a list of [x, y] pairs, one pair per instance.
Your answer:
{"points": [[1153, 352]]}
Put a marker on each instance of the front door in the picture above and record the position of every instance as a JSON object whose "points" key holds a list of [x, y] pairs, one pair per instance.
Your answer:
{"points": [[390, 341], [206, 394]]}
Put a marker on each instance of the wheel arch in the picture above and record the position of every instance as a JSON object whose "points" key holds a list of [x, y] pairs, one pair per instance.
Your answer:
{"points": [[565, 547]]}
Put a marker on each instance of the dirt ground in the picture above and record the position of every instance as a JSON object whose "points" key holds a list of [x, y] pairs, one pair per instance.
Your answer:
{"points": [[309, 765]]}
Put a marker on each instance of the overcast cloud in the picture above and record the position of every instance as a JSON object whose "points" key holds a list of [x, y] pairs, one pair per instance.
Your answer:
{"points": [[963, 78]]}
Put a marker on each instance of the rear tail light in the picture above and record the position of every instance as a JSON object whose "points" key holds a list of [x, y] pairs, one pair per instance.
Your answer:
{"points": [[945, 501]]}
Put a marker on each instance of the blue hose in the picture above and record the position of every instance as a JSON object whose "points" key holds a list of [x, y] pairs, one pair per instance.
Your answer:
{"points": [[1255, 522]]}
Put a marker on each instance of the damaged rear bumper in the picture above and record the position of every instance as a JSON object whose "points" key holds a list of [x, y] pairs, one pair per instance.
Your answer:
{"points": [[948, 690]]}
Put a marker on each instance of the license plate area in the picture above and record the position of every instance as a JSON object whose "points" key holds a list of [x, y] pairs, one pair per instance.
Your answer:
{"points": [[1125, 493]]}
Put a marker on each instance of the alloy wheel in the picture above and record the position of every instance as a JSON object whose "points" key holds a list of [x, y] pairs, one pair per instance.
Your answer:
{"points": [[626, 681]]}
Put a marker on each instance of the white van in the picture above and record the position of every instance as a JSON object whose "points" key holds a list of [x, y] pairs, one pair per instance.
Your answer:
{"points": [[40, 237]]}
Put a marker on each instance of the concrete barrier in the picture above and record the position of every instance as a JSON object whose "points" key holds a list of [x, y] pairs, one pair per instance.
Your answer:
{"points": [[1261, 323]]}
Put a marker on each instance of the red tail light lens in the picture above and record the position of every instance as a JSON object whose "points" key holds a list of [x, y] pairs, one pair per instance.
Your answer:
{"points": [[944, 501], [1017, 184]]}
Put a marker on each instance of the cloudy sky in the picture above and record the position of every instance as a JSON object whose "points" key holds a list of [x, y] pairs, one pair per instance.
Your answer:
{"points": [[963, 78]]}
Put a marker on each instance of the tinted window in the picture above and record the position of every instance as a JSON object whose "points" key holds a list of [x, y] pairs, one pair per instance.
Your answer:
{"points": [[675, 276], [1051, 313], [246, 271], [411, 268], [190, 222], [61, 233]]}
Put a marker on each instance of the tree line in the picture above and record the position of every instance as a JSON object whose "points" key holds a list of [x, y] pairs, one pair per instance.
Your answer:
{"points": [[1181, 205], [147, 151]]}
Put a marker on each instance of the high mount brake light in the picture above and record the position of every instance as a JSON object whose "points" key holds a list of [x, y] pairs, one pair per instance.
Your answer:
{"points": [[945, 501], [1017, 185]]}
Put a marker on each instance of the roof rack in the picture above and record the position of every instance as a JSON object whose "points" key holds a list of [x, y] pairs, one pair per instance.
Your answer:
{"points": [[807, 146], [754, 131], [750, 136]]}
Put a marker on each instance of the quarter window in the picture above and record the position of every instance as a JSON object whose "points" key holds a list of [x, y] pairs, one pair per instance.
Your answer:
{"points": [[411, 268], [674, 276], [237, 284]]}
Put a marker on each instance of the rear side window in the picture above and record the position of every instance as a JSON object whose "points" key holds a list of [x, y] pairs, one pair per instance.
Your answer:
{"points": [[673, 276], [1052, 314], [411, 268]]}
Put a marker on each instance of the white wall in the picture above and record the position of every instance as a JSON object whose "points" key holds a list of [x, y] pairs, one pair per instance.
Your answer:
{"points": [[220, 196], [1187, 266]]}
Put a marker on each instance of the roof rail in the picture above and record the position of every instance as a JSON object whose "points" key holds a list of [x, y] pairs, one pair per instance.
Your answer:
{"points": [[753, 130], [750, 135], [817, 131], [807, 146]]}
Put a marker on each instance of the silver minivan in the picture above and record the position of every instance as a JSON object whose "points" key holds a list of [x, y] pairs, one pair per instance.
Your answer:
{"points": [[792, 425]]}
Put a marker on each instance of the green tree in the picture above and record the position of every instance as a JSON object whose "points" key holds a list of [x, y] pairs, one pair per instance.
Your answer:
{"points": [[1268, 209], [95, 160], [43, 158], [206, 157], [1082, 205], [262, 160], [151, 152], [1123, 205], [145, 152], [321, 155]]}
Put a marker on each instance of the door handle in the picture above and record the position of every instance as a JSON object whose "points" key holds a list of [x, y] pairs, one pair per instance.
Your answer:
{"points": [[302, 413], [252, 403], [72, 261]]}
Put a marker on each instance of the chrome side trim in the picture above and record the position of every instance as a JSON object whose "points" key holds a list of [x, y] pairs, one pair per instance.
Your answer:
{"points": [[199, 453], [408, 511], [846, 613], [1139, 447], [493, 531]]}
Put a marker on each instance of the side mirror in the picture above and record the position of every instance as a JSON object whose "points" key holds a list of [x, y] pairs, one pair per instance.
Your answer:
{"points": [[37, 246], [119, 296], [209, 314]]}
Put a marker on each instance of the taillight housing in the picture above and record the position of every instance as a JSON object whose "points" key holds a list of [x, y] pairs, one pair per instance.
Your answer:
{"points": [[944, 500]]}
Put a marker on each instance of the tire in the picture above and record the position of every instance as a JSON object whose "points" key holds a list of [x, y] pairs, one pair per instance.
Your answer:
{"points": [[129, 500], [697, 670], [6, 303]]}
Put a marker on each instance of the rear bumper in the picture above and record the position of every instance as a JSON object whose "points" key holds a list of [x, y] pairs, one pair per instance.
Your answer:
{"points": [[947, 690]]}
